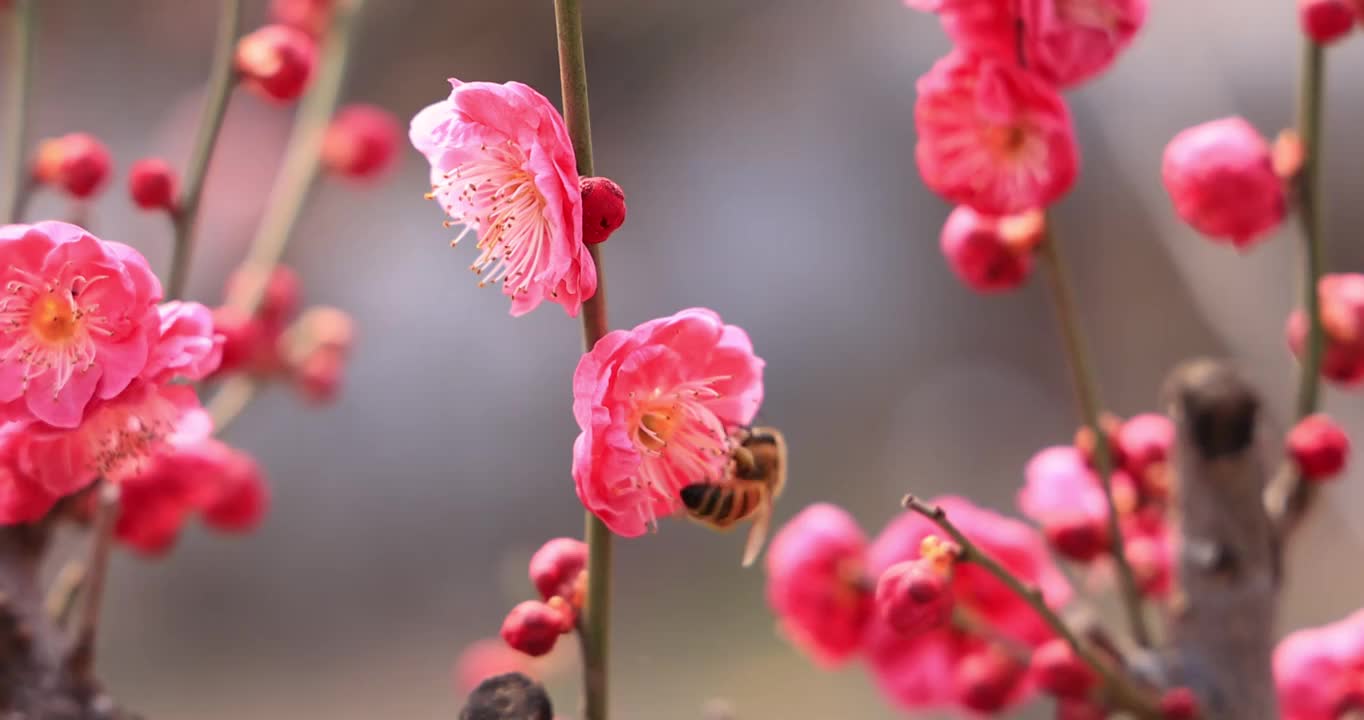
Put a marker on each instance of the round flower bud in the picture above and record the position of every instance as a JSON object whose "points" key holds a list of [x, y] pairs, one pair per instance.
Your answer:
{"points": [[1078, 536], [985, 681], [1342, 319], [1178, 704], [77, 163], [603, 208], [555, 568], [1221, 179], [277, 61], [242, 335], [914, 597], [1319, 448], [360, 142], [979, 254], [1325, 21], [1060, 672], [533, 627], [151, 183]]}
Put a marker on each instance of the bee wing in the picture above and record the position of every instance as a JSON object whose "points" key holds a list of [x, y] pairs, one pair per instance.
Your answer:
{"points": [[757, 534]]}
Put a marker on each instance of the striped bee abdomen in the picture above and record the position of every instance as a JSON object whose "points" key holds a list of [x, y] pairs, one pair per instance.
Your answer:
{"points": [[722, 505]]}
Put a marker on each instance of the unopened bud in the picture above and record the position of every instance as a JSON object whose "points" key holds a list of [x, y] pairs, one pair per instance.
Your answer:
{"points": [[151, 183], [603, 208], [277, 61]]}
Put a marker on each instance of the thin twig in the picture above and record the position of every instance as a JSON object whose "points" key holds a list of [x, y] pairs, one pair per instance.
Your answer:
{"points": [[81, 659], [64, 591], [221, 79], [595, 628], [15, 182], [1086, 392], [297, 173], [1119, 689], [231, 399], [1292, 496]]}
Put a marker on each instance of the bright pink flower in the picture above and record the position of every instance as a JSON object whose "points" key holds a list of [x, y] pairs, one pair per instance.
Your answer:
{"points": [[192, 474], [915, 596], [361, 141], [1064, 41], [816, 583], [276, 61], [77, 163], [1319, 447], [603, 208], [485, 658], [1342, 318], [22, 497], [656, 405], [917, 672], [188, 348], [1326, 21], [534, 627], [993, 137], [557, 568], [1063, 495], [77, 318], [979, 253], [118, 438], [1319, 672], [151, 184], [1221, 179], [502, 165]]}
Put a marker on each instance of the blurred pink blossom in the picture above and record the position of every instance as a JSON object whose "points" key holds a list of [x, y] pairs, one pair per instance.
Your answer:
{"points": [[1222, 181]]}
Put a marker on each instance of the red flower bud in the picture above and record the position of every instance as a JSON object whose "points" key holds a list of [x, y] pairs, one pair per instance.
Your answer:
{"points": [[1325, 21], [1318, 447], [279, 299], [1221, 179], [77, 163], [151, 183], [1178, 704], [1080, 537], [980, 254], [361, 141], [986, 680], [241, 499], [318, 377], [243, 338], [1151, 564], [533, 627], [555, 567], [914, 597], [1060, 672], [277, 61], [603, 208]]}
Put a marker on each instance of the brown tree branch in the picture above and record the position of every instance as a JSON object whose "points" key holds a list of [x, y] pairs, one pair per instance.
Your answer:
{"points": [[1228, 574]]}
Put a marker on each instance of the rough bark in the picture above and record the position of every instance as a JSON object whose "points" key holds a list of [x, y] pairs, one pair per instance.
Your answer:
{"points": [[36, 677], [1228, 564]]}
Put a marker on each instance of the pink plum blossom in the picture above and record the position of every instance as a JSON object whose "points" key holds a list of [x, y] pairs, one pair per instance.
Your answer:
{"points": [[816, 583], [118, 438], [918, 671], [656, 405], [993, 137], [1342, 318], [1064, 496], [1065, 42], [22, 497], [503, 167], [1319, 672], [77, 319], [1221, 179], [188, 347]]}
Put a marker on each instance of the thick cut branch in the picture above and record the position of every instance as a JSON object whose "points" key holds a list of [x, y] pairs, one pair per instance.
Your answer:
{"points": [[1228, 565], [35, 681]]}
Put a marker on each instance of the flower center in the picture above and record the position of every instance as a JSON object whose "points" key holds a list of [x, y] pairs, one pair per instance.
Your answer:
{"points": [[680, 441], [494, 195], [54, 319], [1006, 140]]}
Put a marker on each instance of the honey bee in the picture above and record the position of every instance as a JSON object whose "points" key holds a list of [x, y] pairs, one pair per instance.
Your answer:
{"points": [[755, 477]]}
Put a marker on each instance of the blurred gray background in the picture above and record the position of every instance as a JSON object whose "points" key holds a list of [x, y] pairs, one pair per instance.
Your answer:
{"points": [[767, 150]]}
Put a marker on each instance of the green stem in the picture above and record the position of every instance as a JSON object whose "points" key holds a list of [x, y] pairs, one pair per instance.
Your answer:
{"points": [[299, 170], [16, 182], [595, 627], [1086, 391], [1310, 100], [221, 79], [1119, 689]]}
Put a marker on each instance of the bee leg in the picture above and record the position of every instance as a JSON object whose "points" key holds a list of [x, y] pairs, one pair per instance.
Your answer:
{"points": [[757, 534]]}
